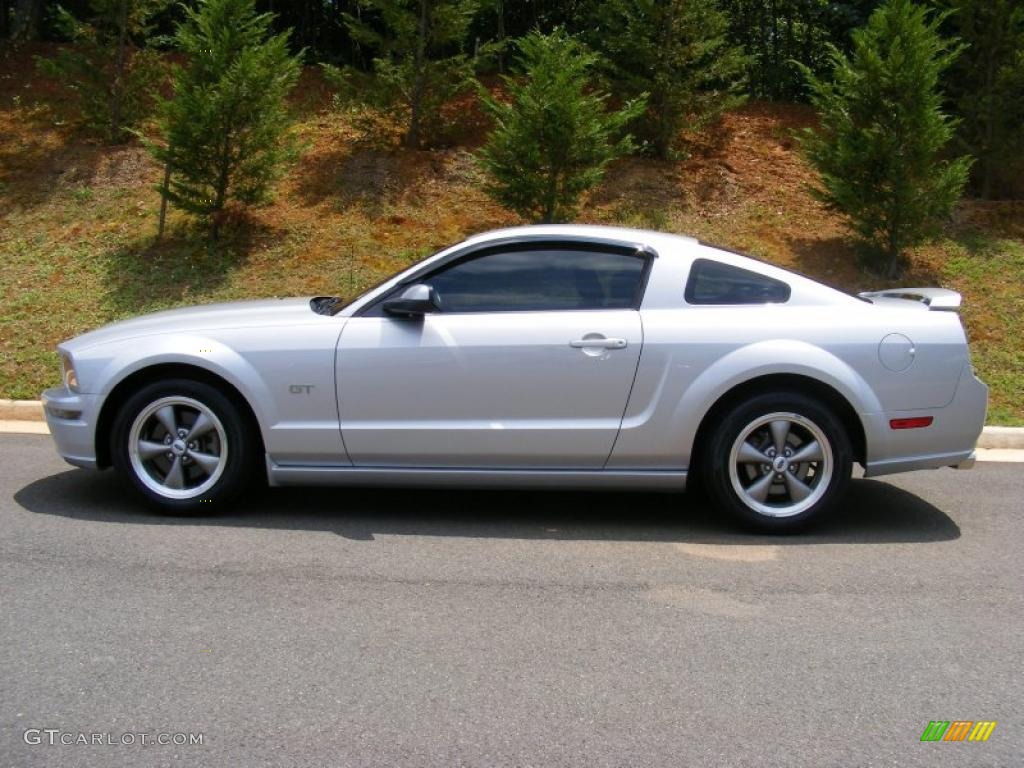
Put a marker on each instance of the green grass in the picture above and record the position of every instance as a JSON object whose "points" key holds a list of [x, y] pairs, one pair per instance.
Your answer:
{"points": [[78, 227], [990, 270], [57, 283], [77, 262]]}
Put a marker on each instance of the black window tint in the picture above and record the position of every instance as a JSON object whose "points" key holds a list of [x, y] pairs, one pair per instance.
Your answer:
{"points": [[712, 282], [538, 280]]}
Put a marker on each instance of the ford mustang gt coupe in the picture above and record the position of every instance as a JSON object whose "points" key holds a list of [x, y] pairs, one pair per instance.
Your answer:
{"points": [[542, 357]]}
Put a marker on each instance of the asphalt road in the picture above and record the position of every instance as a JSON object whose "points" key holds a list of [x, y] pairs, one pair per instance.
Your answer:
{"points": [[490, 629]]}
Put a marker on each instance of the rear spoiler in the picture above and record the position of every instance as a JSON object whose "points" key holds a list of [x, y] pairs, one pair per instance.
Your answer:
{"points": [[939, 299]]}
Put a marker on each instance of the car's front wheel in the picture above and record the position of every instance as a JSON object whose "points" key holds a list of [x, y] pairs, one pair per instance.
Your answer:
{"points": [[183, 445], [778, 461]]}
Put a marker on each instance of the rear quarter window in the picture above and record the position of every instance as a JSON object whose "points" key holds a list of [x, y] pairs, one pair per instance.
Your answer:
{"points": [[712, 282]]}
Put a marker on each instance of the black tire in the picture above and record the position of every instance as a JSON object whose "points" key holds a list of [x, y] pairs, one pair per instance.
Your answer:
{"points": [[231, 443], [785, 508]]}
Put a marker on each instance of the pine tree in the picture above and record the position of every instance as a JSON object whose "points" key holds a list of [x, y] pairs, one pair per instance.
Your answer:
{"points": [[987, 87], [114, 81], [226, 130], [555, 136], [779, 35], [419, 65], [677, 52], [880, 147]]}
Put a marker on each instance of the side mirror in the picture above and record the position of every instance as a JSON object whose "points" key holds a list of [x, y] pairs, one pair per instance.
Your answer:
{"points": [[415, 301]]}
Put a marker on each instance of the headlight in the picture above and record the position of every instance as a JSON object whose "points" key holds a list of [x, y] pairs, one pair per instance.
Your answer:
{"points": [[67, 372]]}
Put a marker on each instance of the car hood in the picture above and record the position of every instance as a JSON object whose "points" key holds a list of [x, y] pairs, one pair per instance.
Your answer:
{"points": [[236, 314]]}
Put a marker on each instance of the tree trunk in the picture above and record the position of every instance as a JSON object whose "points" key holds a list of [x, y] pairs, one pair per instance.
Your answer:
{"points": [[5, 19], [304, 25], [117, 87], [761, 87], [661, 98], [221, 191], [774, 51], [809, 24], [412, 139], [892, 269], [25, 25], [988, 150], [551, 203], [163, 200], [501, 36]]}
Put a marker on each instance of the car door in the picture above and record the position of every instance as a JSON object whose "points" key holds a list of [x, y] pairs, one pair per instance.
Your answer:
{"points": [[527, 363]]}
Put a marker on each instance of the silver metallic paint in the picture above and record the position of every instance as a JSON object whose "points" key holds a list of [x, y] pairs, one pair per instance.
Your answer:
{"points": [[509, 399], [529, 399]]}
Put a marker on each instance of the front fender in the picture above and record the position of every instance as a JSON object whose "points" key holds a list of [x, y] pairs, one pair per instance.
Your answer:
{"points": [[186, 349]]}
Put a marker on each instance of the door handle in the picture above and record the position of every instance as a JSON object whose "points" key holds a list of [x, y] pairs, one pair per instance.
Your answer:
{"points": [[599, 343]]}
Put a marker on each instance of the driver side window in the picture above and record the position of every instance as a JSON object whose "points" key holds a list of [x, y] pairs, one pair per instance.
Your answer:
{"points": [[544, 279]]}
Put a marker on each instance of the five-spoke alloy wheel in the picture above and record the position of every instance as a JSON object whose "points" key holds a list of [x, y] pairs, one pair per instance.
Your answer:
{"points": [[778, 460], [178, 447], [183, 445]]}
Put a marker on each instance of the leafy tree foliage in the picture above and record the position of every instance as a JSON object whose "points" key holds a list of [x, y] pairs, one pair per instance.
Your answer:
{"points": [[398, 62], [419, 64], [987, 87], [555, 135], [114, 81], [677, 52], [316, 26], [22, 18], [880, 147], [780, 35], [226, 129]]}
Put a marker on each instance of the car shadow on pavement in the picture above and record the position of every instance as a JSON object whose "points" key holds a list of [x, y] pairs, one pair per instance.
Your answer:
{"points": [[871, 512]]}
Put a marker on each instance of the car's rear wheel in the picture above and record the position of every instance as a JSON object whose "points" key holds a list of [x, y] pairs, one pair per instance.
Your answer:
{"points": [[778, 461], [183, 445]]}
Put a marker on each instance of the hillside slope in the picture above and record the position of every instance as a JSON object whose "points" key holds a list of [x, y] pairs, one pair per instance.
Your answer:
{"points": [[78, 222]]}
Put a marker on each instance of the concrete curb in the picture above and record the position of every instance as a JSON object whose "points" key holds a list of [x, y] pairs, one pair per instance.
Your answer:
{"points": [[21, 410], [1002, 437], [991, 437], [23, 428]]}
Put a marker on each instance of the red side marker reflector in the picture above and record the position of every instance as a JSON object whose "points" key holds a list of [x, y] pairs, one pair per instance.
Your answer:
{"points": [[915, 423]]}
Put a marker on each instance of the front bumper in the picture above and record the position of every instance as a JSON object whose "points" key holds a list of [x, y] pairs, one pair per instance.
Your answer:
{"points": [[71, 418]]}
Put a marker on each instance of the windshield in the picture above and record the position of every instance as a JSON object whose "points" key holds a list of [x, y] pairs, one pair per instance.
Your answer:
{"points": [[372, 288], [345, 303]]}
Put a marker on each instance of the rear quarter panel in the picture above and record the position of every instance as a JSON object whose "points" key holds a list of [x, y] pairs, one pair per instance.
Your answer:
{"points": [[693, 355]]}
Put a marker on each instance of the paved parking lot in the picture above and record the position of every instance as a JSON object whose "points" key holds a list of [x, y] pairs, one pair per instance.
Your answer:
{"points": [[488, 629]]}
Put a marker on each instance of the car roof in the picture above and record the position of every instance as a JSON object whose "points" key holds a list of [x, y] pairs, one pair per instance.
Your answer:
{"points": [[595, 231], [668, 246], [672, 247]]}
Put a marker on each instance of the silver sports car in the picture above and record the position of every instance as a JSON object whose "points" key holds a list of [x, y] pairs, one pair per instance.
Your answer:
{"points": [[542, 357]]}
